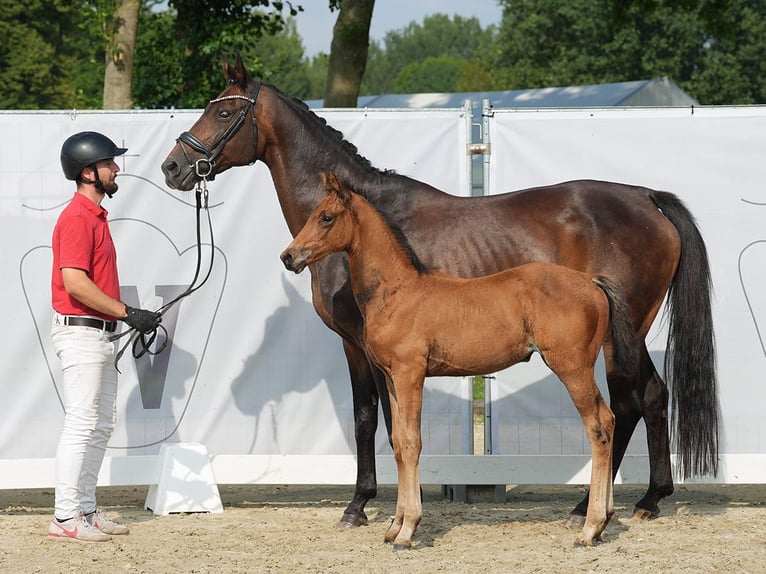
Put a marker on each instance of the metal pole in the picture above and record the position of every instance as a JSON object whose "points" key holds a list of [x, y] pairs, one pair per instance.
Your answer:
{"points": [[488, 413]]}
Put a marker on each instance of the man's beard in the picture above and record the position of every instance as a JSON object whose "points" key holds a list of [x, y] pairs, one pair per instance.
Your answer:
{"points": [[108, 188]]}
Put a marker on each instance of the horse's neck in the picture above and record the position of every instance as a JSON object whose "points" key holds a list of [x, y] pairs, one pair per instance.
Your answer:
{"points": [[377, 263], [296, 151]]}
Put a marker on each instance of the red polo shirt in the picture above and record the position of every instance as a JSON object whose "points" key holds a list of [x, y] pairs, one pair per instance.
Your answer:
{"points": [[81, 239]]}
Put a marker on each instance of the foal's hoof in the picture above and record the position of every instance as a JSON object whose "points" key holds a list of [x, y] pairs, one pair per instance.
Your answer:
{"points": [[644, 514], [575, 522], [583, 541], [352, 521], [405, 545]]}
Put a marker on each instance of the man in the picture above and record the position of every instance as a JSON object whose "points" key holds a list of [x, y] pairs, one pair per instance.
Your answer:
{"points": [[86, 299]]}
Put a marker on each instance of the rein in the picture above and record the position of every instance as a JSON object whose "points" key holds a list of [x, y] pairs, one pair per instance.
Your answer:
{"points": [[204, 168], [141, 342]]}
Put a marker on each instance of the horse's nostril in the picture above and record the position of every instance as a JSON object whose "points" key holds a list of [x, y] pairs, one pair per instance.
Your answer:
{"points": [[170, 167]]}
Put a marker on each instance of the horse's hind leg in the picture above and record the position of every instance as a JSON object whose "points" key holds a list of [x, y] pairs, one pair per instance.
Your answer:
{"points": [[656, 418], [599, 427], [631, 398]]}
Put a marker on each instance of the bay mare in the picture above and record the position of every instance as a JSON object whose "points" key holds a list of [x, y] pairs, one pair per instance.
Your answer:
{"points": [[645, 240], [420, 324]]}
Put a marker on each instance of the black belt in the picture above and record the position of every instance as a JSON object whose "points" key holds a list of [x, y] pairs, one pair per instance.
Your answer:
{"points": [[75, 321]]}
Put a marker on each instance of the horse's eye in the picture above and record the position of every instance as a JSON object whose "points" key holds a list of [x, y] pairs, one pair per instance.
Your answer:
{"points": [[326, 219], [224, 114]]}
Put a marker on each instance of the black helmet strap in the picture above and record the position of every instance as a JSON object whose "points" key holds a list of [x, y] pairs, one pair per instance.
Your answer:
{"points": [[97, 183]]}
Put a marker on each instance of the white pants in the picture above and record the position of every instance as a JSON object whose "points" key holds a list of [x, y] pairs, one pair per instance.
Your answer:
{"points": [[89, 393]]}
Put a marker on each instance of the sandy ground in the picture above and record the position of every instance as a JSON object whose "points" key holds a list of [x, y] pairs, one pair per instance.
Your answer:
{"points": [[292, 529]]}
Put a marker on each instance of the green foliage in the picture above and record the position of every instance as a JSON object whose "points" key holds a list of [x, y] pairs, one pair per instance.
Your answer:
{"points": [[207, 30], [714, 49], [46, 54], [429, 75], [158, 64], [52, 53], [277, 60], [426, 49]]}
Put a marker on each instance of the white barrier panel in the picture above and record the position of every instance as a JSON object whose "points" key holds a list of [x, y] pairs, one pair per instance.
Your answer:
{"points": [[713, 159], [250, 369]]}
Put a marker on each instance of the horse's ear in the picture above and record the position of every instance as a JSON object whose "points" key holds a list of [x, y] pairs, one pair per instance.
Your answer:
{"points": [[331, 182], [236, 74], [228, 71]]}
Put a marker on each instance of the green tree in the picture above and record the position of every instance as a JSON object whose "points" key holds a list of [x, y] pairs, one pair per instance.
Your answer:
{"points": [[159, 60], [206, 30], [439, 37], [316, 70], [348, 52], [714, 49], [278, 59], [733, 68], [429, 75], [120, 53], [46, 55]]}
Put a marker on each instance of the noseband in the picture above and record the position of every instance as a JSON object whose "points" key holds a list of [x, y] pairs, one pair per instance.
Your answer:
{"points": [[205, 167]]}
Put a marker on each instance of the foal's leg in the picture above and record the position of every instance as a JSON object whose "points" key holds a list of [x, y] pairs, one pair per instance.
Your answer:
{"points": [[645, 395], [599, 427], [406, 407]]}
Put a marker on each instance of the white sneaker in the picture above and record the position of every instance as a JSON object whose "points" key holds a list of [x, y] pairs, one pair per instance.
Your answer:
{"points": [[100, 520], [77, 528]]}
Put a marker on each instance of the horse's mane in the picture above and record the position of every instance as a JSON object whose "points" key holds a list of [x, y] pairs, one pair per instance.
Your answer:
{"points": [[301, 107]]}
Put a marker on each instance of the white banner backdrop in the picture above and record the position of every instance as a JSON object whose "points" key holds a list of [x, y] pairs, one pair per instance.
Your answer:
{"points": [[713, 159], [250, 368]]}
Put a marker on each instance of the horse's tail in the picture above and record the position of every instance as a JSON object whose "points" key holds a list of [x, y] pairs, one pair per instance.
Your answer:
{"points": [[622, 329], [690, 359]]}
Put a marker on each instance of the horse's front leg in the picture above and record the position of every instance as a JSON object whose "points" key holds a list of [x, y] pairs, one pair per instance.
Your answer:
{"points": [[406, 406], [365, 396]]}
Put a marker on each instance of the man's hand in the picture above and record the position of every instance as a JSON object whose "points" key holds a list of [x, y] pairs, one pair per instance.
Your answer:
{"points": [[142, 320]]}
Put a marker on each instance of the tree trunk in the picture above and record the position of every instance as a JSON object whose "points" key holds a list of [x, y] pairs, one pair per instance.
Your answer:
{"points": [[348, 53], [118, 77]]}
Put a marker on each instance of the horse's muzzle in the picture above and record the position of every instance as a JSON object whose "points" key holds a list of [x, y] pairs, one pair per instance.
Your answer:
{"points": [[176, 177], [291, 263]]}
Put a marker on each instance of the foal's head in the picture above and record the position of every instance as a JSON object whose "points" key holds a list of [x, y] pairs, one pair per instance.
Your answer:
{"points": [[329, 228]]}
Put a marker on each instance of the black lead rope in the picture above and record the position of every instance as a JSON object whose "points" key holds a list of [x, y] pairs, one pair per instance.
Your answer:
{"points": [[142, 342]]}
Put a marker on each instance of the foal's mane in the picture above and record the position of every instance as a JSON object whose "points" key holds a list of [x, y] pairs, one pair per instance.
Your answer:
{"points": [[400, 238]]}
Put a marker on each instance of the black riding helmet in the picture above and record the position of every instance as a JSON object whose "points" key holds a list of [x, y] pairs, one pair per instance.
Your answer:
{"points": [[86, 148]]}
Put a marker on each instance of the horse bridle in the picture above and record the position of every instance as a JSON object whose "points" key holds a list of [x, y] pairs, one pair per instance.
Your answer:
{"points": [[205, 167], [141, 342]]}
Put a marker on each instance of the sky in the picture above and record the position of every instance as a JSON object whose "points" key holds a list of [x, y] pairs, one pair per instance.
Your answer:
{"points": [[316, 21]]}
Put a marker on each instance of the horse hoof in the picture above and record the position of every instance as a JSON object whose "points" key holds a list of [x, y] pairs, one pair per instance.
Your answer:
{"points": [[583, 541], [644, 514], [402, 546], [352, 521], [575, 522]]}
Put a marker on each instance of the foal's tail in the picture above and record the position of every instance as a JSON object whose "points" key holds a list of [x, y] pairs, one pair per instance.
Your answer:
{"points": [[690, 359], [623, 332]]}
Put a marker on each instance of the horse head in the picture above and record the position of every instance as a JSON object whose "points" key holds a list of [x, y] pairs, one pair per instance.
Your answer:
{"points": [[330, 228], [204, 150]]}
